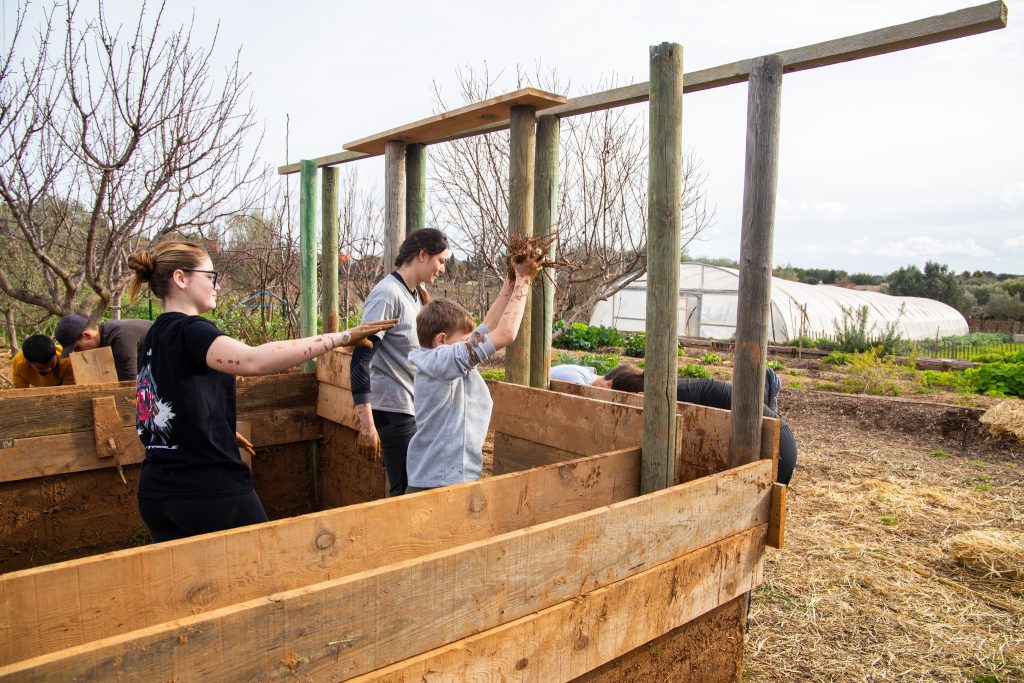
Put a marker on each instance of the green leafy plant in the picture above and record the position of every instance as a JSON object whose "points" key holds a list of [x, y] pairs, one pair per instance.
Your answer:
{"points": [[602, 362], [710, 358], [837, 358], [496, 374], [693, 370], [775, 364], [867, 373], [997, 379], [635, 345], [938, 453], [583, 337]]}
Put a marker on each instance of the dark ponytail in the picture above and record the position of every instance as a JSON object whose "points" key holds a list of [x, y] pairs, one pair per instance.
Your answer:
{"points": [[430, 240]]}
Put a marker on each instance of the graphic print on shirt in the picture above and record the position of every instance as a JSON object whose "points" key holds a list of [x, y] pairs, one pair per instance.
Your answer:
{"points": [[152, 413]]}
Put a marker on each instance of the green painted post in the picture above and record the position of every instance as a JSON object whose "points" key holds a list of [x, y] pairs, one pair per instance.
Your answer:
{"points": [[329, 258], [664, 222], [545, 222], [415, 187], [307, 252]]}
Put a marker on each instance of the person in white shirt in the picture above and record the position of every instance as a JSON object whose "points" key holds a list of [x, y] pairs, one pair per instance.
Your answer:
{"points": [[579, 374]]}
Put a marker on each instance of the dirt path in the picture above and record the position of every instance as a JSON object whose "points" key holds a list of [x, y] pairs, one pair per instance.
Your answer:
{"points": [[867, 588]]}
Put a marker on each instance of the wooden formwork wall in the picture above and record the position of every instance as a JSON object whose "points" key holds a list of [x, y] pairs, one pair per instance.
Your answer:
{"points": [[553, 573], [59, 499]]}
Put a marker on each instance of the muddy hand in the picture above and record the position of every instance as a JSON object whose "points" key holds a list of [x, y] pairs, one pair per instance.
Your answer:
{"points": [[530, 263], [368, 444], [357, 336]]}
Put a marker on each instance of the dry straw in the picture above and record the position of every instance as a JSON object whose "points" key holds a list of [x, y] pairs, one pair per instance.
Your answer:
{"points": [[995, 553], [1006, 418]]}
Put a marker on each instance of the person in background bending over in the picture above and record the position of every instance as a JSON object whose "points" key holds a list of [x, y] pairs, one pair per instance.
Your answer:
{"points": [[193, 479], [38, 364], [716, 394], [382, 377], [75, 332]]}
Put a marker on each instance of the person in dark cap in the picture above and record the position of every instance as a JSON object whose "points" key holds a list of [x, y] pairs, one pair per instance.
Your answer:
{"points": [[38, 364], [75, 332]]}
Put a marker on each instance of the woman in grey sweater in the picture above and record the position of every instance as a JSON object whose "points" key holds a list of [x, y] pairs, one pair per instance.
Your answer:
{"points": [[382, 377]]}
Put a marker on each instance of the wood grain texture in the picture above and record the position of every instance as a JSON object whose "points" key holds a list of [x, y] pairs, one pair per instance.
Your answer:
{"points": [[329, 249], [307, 255], [395, 229], [106, 595], [336, 404], [777, 520], [569, 423], [959, 24], [565, 641], [95, 366], [459, 120], [352, 625], [545, 222], [335, 367], [69, 409], [664, 223], [761, 170], [415, 187], [521, 177]]}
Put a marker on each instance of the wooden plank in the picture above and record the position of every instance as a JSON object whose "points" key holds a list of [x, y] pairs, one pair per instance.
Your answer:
{"points": [[565, 641], [119, 592], [664, 223], [352, 625], [45, 456], [95, 366], [335, 404], [777, 518], [58, 410], [521, 173], [702, 432], [545, 222], [512, 454], [457, 120], [335, 367], [959, 24], [108, 431], [754, 304], [568, 423]]}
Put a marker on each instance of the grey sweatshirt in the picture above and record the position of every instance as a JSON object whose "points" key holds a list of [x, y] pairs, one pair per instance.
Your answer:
{"points": [[391, 373], [453, 411]]}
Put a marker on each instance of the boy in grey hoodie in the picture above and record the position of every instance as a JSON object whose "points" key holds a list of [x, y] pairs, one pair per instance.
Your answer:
{"points": [[452, 403]]}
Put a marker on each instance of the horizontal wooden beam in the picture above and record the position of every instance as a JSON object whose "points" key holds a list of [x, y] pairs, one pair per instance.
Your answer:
{"points": [[568, 640], [60, 410], [959, 24], [336, 368], [353, 625], [336, 404], [51, 608]]}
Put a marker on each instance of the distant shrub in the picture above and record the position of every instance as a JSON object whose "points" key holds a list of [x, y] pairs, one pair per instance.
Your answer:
{"points": [[854, 335], [837, 358], [693, 370], [602, 362], [867, 373], [997, 379], [775, 364], [497, 374], [582, 337], [710, 358]]}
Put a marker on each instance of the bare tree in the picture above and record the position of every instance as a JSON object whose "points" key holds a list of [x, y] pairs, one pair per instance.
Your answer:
{"points": [[117, 137], [602, 200], [360, 240]]}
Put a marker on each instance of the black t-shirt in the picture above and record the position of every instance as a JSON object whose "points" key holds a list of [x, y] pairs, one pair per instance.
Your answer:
{"points": [[186, 414]]}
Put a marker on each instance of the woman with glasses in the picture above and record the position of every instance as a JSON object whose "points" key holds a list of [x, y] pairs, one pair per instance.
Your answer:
{"points": [[193, 480]]}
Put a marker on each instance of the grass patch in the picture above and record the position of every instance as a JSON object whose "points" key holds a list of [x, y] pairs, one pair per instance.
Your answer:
{"points": [[938, 453], [497, 375], [890, 521]]}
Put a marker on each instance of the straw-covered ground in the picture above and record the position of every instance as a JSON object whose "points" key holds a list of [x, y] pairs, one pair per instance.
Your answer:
{"points": [[904, 556]]}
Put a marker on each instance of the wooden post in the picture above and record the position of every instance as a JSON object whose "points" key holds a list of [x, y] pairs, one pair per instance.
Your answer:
{"points": [[545, 222], [523, 135], [664, 222], [764, 95], [307, 253], [415, 187], [394, 198], [329, 245]]}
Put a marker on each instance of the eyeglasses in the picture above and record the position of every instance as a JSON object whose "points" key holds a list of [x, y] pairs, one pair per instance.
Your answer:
{"points": [[208, 272]]}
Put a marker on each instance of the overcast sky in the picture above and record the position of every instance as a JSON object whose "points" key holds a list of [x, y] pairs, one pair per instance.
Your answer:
{"points": [[885, 161]]}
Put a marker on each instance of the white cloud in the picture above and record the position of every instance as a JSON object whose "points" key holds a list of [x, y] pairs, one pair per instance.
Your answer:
{"points": [[1014, 243], [824, 208], [922, 246], [812, 248], [1013, 195]]}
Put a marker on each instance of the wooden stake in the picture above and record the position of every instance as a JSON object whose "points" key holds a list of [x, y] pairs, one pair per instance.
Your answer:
{"points": [[394, 197], [754, 306], [522, 154], [545, 222], [329, 257], [664, 221], [777, 517], [307, 253], [415, 187]]}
